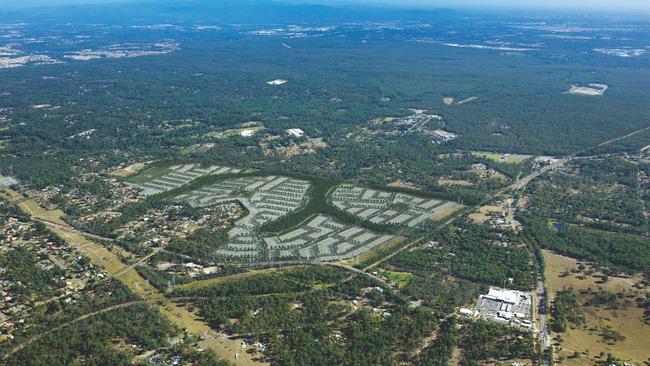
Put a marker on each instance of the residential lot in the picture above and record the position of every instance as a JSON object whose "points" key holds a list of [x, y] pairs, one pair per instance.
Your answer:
{"points": [[179, 175], [324, 239], [382, 207], [266, 198]]}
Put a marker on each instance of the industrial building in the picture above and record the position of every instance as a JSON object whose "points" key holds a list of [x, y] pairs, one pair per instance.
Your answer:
{"points": [[505, 306]]}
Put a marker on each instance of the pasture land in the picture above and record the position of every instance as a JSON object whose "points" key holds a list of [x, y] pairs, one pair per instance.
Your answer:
{"points": [[628, 321]]}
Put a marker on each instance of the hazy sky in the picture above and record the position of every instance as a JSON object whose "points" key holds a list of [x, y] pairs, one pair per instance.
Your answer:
{"points": [[575, 4]]}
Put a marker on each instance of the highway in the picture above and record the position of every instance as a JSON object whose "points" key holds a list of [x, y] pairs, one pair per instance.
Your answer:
{"points": [[541, 295], [543, 334]]}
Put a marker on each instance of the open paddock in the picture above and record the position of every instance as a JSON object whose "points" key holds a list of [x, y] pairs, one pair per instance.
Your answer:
{"points": [[626, 321]]}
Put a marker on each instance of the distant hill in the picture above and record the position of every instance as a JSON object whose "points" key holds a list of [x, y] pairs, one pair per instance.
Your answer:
{"points": [[229, 11]]}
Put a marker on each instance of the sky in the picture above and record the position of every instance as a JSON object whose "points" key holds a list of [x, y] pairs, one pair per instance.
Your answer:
{"points": [[573, 4]]}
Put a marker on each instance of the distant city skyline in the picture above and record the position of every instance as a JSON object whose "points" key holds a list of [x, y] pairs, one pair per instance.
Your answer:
{"points": [[572, 4]]}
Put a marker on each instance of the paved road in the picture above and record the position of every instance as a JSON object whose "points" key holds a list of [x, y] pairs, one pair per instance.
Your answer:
{"points": [[543, 327], [142, 260], [523, 182], [380, 261], [73, 230], [359, 271], [520, 184]]}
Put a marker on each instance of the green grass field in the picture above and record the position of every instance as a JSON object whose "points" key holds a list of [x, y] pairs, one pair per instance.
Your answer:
{"points": [[148, 175], [502, 158], [400, 278]]}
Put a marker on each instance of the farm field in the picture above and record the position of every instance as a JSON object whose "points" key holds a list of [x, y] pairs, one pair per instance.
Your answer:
{"points": [[626, 321]]}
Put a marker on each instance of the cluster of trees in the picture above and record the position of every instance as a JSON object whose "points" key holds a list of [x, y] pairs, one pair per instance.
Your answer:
{"points": [[440, 351], [304, 317], [473, 252], [441, 291], [92, 339], [328, 103], [625, 252], [200, 244], [364, 339], [8, 210], [293, 280], [95, 296], [21, 266], [600, 193], [483, 341], [604, 298], [566, 308]]}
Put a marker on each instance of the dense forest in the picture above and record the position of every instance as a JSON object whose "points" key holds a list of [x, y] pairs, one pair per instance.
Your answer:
{"points": [[472, 252], [219, 78], [306, 318], [600, 193], [92, 339], [103, 90], [623, 252]]}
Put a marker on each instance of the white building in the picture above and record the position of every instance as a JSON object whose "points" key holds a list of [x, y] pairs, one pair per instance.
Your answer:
{"points": [[247, 133], [296, 132], [505, 306], [277, 82]]}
